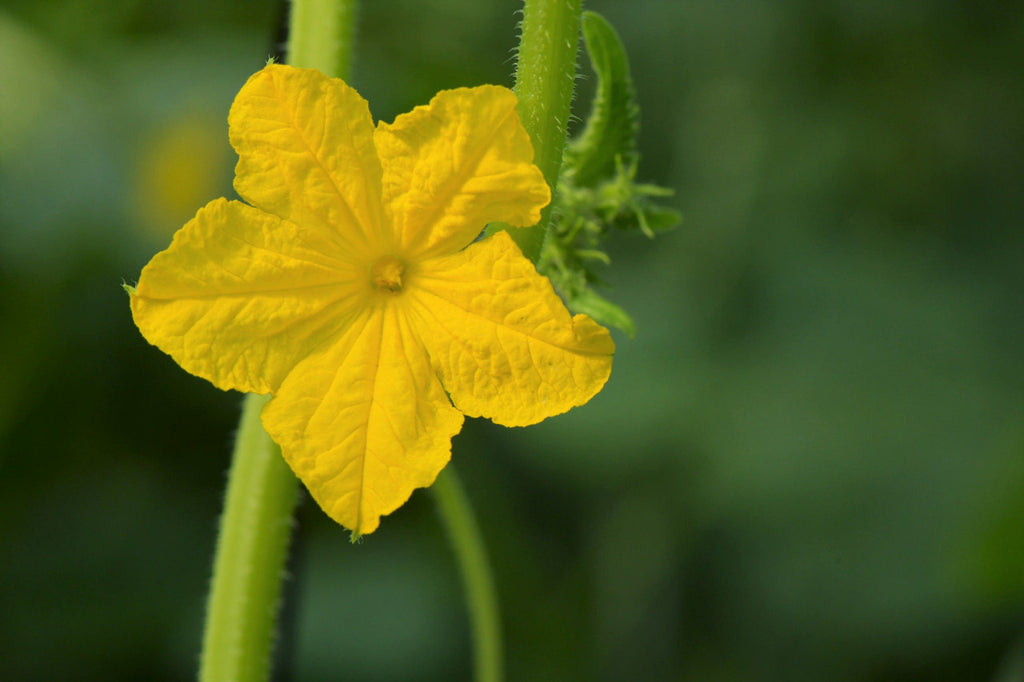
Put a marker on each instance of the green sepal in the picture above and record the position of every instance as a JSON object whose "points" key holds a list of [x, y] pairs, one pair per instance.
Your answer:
{"points": [[614, 119]]}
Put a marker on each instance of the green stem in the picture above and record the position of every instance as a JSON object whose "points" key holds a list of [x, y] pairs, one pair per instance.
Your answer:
{"points": [[256, 527], [320, 35], [251, 552], [464, 534], [545, 78]]}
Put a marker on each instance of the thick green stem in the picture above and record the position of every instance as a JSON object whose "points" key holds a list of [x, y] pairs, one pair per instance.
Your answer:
{"points": [[545, 78], [464, 534], [256, 527], [251, 552], [320, 35]]}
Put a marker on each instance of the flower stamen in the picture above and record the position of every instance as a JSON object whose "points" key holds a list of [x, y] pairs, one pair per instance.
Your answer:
{"points": [[386, 274]]}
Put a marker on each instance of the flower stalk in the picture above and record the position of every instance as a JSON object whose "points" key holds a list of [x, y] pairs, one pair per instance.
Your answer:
{"points": [[545, 80], [456, 514]]}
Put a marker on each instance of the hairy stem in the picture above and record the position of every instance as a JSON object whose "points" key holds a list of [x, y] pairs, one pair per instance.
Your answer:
{"points": [[545, 78], [251, 551]]}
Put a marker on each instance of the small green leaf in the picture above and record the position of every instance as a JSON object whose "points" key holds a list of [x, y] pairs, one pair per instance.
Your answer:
{"points": [[603, 311], [654, 219], [614, 119], [593, 254]]}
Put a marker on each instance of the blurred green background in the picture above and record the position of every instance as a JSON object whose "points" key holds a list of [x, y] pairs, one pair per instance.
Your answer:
{"points": [[808, 465]]}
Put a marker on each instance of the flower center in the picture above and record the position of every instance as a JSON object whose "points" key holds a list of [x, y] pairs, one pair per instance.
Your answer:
{"points": [[386, 274]]}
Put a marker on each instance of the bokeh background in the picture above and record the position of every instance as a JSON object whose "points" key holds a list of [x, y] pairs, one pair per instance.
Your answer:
{"points": [[809, 463]]}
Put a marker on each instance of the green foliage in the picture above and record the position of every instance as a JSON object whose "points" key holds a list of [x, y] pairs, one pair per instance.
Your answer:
{"points": [[597, 189]]}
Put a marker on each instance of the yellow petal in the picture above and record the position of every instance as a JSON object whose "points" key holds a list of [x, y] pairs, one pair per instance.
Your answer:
{"points": [[503, 343], [306, 153], [364, 422], [240, 296], [453, 166]]}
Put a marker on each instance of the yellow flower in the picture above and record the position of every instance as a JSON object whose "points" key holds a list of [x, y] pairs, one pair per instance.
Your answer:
{"points": [[349, 287]]}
